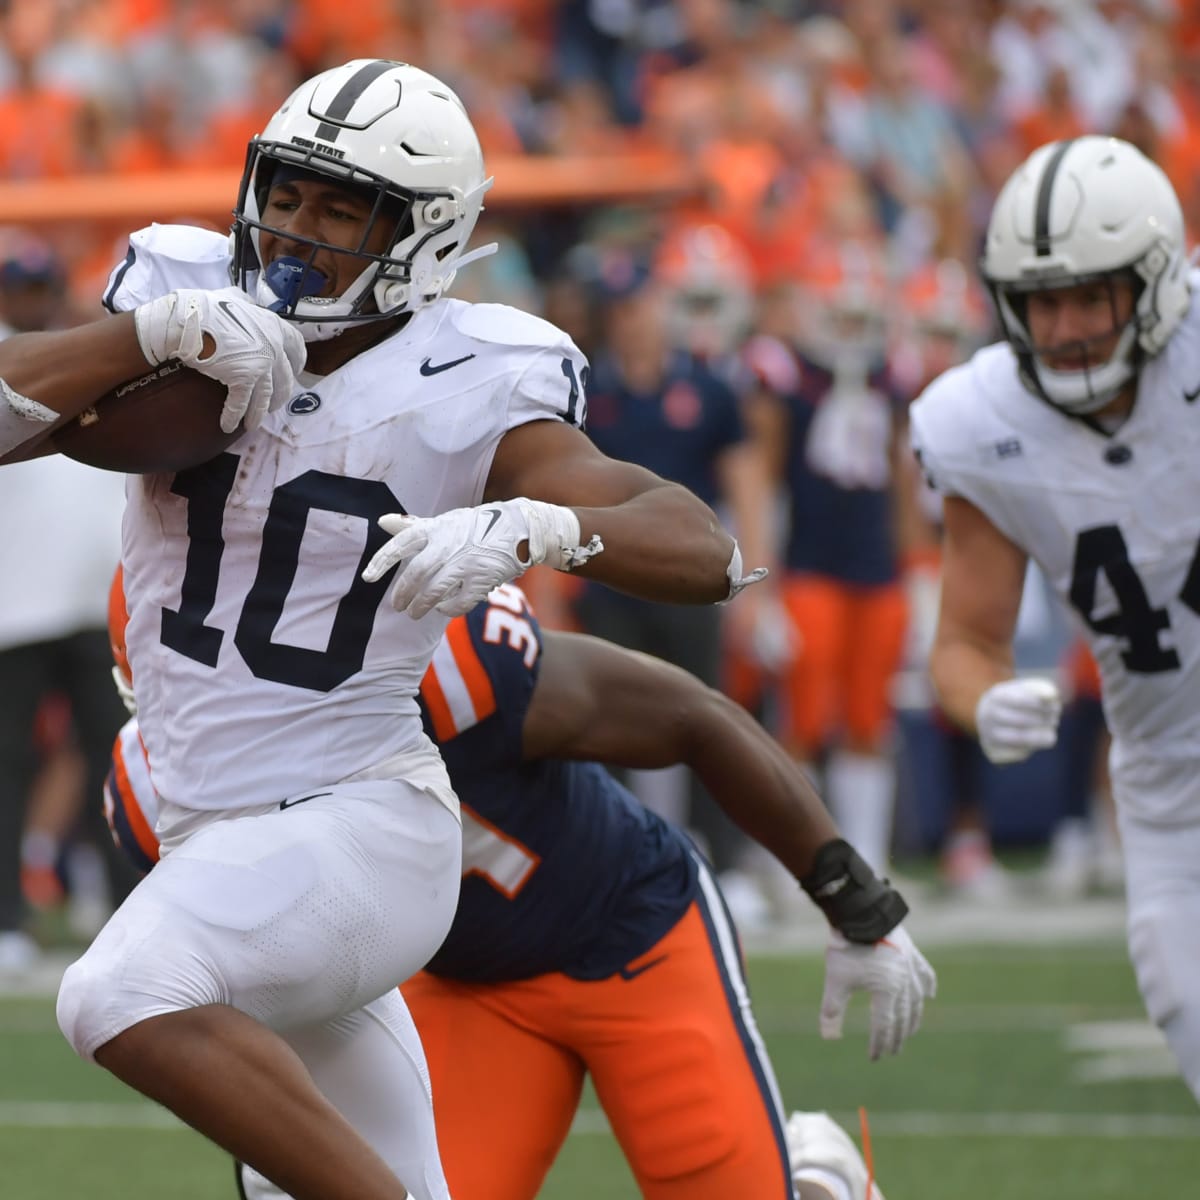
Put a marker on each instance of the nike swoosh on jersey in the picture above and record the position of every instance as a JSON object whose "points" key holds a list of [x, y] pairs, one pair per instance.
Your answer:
{"points": [[428, 369], [1190, 396], [301, 800], [628, 973]]}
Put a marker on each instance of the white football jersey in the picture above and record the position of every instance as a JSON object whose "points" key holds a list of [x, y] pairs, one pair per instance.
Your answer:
{"points": [[1114, 523], [263, 663]]}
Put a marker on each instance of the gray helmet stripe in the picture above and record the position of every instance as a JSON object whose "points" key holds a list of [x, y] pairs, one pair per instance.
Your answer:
{"points": [[343, 102], [1041, 220]]}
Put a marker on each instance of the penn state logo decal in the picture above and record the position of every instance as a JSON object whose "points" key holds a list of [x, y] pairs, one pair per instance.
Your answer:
{"points": [[306, 402]]}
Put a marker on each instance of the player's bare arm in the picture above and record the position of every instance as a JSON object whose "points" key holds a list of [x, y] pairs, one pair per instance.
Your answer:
{"points": [[596, 701], [983, 575], [971, 661], [49, 378], [660, 541]]}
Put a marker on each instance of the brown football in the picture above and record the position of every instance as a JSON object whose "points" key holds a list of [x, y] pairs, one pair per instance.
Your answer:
{"points": [[165, 420]]}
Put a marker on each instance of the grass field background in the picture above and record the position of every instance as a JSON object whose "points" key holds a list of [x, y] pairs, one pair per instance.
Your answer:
{"points": [[1034, 1077]]}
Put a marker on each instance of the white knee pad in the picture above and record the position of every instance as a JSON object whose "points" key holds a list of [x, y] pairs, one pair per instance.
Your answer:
{"points": [[127, 976]]}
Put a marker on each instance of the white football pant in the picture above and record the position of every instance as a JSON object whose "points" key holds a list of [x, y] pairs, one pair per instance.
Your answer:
{"points": [[302, 917], [1162, 873]]}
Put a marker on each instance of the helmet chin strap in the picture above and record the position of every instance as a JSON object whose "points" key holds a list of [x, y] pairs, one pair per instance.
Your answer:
{"points": [[1083, 392], [475, 255]]}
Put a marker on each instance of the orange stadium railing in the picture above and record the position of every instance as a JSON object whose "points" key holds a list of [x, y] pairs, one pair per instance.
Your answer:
{"points": [[521, 181]]}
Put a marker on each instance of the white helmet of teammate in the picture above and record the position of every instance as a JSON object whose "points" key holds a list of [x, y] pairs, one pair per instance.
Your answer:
{"points": [[1088, 209], [403, 138]]}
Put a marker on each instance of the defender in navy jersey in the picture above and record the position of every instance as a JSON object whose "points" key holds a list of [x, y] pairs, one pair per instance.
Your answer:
{"points": [[590, 937]]}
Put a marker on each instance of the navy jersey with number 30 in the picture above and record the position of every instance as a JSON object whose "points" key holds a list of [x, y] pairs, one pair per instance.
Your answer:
{"points": [[562, 869]]}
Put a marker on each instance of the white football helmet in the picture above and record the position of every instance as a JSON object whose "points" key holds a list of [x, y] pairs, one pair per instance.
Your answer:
{"points": [[403, 138], [1077, 211]]}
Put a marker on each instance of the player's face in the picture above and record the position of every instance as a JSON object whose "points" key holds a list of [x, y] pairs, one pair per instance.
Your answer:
{"points": [[323, 212], [1077, 327]]}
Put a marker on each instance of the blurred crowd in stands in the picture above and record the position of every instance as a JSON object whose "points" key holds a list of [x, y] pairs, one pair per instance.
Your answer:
{"points": [[759, 336]]}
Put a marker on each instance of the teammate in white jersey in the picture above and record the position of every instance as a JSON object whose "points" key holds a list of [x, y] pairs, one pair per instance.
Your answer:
{"points": [[311, 839], [1075, 444]]}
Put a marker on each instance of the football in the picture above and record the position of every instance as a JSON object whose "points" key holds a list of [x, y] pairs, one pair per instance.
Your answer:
{"points": [[165, 420]]}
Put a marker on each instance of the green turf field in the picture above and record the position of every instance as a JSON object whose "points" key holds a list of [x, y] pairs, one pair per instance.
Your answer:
{"points": [[1035, 1077]]}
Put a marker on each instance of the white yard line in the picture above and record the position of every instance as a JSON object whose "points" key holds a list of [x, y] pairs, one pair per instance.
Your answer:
{"points": [[590, 1122], [54, 1114], [41, 1114]]}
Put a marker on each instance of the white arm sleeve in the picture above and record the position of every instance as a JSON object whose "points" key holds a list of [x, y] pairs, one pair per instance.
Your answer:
{"points": [[21, 418]]}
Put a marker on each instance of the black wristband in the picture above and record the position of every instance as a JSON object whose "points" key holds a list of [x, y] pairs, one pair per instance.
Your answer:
{"points": [[857, 903]]}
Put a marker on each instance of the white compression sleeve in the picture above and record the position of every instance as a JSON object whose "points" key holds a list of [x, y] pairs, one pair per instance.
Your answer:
{"points": [[21, 418]]}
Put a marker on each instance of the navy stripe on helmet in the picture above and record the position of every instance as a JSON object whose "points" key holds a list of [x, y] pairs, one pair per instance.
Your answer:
{"points": [[1041, 220], [339, 108]]}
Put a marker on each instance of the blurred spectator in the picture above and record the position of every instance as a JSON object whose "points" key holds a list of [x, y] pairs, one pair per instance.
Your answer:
{"points": [[55, 563], [36, 121], [1056, 119], [652, 403], [830, 418], [1020, 40], [916, 159]]}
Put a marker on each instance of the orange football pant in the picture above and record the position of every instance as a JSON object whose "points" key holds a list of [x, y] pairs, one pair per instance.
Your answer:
{"points": [[852, 640], [671, 1047]]}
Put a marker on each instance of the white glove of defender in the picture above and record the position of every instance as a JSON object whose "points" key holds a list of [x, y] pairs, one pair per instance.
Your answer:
{"points": [[452, 561], [256, 354], [898, 978], [1016, 717]]}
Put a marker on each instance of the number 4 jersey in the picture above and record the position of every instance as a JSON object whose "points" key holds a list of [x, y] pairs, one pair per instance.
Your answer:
{"points": [[1113, 520], [263, 663]]}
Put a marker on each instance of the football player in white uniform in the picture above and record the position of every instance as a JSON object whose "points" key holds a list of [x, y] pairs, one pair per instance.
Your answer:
{"points": [[1075, 444], [311, 839]]}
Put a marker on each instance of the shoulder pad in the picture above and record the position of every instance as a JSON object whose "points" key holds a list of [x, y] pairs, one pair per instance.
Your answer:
{"points": [[503, 325], [162, 258], [183, 243], [957, 414], [954, 411]]}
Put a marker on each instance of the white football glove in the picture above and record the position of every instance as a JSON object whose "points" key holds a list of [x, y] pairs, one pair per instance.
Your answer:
{"points": [[1016, 717], [256, 354], [452, 561], [896, 974]]}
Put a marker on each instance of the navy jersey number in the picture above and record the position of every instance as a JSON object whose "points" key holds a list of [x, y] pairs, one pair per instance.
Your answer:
{"points": [[1136, 620], [578, 387], [206, 489]]}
